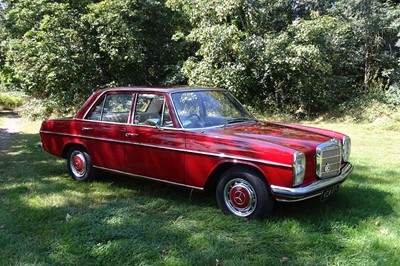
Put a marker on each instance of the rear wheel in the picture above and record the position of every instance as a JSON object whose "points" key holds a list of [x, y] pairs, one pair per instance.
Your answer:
{"points": [[80, 164], [243, 193]]}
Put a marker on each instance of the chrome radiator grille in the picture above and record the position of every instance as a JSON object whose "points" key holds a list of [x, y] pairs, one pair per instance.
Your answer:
{"points": [[328, 159]]}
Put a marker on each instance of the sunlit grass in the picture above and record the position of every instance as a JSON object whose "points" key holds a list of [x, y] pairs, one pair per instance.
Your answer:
{"points": [[48, 219]]}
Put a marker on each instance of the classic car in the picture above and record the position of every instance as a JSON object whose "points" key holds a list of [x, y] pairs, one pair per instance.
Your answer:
{"points": [[202, 139]]}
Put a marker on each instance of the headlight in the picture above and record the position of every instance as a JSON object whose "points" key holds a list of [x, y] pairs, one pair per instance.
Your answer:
{"points": [[299, 168], [346, 148]]}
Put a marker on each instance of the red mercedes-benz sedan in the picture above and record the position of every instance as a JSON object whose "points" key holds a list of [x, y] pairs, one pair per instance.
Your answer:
{"points": [[200, 138]]}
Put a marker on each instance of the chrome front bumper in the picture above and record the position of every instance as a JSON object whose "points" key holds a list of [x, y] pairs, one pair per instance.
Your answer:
{"points": [[313, 190]]}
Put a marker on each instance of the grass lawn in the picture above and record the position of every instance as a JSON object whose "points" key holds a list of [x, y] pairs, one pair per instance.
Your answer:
{"points": [[48, 219]]}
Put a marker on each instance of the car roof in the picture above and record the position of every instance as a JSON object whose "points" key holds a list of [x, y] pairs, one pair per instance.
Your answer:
{"points": [[95, 96], [159, 89]]}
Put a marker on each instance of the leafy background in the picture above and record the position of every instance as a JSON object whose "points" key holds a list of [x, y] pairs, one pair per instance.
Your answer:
{"points": [[277, 56]]}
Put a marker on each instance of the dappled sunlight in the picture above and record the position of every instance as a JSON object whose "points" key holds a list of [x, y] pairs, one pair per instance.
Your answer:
{"points": [[16, 152], [114, 221], [73, 199], [140, 221]]}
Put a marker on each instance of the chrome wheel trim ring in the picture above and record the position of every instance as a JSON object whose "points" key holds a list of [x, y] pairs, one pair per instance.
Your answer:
{"points": [[78, 164], [240, 197]]}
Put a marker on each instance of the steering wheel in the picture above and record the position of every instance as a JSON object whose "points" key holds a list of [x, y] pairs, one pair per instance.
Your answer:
{"points": [[197, 122]]}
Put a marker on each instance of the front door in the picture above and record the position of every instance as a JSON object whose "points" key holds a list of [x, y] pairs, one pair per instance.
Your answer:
{"points": [[155, 147]]}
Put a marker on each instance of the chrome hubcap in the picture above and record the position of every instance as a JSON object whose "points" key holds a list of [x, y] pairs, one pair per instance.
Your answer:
{"points": [[240, 197]]}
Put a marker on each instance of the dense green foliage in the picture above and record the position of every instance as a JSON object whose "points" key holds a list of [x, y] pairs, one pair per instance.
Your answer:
{"points": [[301, 56], [62, 51], [9, 102]]}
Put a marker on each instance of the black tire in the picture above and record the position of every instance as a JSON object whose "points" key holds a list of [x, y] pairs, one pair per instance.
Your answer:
{"points": [[79, 164], [243, 192]]}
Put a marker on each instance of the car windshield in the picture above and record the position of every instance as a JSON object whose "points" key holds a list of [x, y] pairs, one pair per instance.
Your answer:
{"points": [[199, 109]]}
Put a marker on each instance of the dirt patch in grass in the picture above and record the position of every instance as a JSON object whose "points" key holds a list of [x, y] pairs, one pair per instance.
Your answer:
{"points": [[10, 127]]}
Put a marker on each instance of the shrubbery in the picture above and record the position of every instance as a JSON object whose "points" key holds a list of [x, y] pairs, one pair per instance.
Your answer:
{"points": [[278, 56], [8, 102]]}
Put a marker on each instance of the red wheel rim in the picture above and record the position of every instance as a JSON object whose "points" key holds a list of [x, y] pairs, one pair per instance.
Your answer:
{"points": [[78, 164]]}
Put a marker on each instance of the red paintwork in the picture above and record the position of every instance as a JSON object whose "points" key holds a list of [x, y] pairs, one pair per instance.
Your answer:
{"points": [[240, 197], [186, 157], [78, 163]]}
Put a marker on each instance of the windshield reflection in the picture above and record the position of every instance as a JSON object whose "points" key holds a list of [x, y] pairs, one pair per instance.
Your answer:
{"points": [[199, 109]]}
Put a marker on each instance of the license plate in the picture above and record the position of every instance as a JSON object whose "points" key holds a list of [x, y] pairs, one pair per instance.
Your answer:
{"points": [[329, 192]]}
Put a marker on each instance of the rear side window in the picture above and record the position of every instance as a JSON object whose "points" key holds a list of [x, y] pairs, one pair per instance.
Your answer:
{"points": [[112, 108]]}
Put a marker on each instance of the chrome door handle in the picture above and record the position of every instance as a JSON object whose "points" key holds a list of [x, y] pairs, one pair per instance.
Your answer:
{"points": [[131, 135], [87, 128]]}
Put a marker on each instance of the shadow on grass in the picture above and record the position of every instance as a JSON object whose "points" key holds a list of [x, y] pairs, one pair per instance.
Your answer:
{"points": [[8, 114], [47, 218], [157, 189], [359, 202], [356, 201]]}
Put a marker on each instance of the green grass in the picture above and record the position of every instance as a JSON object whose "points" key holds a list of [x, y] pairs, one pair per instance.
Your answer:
{"points": [[48, 219]]}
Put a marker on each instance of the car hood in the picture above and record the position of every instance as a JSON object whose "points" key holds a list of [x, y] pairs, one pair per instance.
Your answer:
{"points": [[290, 136]]}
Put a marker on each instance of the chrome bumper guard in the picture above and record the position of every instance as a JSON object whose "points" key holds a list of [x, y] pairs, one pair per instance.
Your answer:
{"points": [[312, 190]]}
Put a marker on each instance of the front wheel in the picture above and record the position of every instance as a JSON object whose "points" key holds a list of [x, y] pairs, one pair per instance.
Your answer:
{"points": [[80, 164], [243, 193]]}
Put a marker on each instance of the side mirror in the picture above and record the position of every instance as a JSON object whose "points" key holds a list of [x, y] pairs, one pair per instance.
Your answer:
{"points": [[158, 126]]}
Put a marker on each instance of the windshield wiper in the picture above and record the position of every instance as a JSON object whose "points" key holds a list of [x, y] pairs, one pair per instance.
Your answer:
{"points": [[238, 120]]}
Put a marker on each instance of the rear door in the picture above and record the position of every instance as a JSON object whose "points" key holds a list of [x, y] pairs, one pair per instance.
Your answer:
{"points": [[104, 130]]}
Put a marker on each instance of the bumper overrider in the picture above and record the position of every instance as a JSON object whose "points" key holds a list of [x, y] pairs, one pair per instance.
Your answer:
{"points": [[313, 190]]}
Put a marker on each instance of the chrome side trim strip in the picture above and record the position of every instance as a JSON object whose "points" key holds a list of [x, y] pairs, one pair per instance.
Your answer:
{"points": [[220, 155], [312, 190], [81, 137], [146, 177], [199, 130], [127, 124]]}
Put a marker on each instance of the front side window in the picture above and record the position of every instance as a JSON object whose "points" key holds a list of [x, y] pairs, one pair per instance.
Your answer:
{"points": [[112, 108], [150, 110]]}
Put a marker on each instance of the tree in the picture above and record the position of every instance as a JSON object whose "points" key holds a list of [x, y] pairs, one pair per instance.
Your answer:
{"points": [[61, 51], [374, 33], [303, 56], [287, 64], [134, 40], [48, 52], [231, 44]]}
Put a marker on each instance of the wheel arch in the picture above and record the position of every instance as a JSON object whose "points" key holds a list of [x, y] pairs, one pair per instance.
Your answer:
{"points": [[216, 174], [68, 146]]}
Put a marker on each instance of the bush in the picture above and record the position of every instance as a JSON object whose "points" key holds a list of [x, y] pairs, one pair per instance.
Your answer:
{"points": [[35, 109], [8, 102], [381, 109], [392, 95]]}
